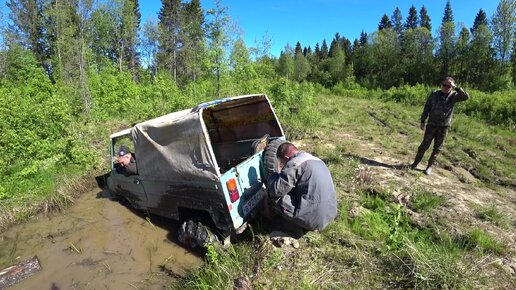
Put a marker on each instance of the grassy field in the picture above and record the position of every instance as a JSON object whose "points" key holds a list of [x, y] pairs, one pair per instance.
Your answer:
{"points": [[397, 228]]}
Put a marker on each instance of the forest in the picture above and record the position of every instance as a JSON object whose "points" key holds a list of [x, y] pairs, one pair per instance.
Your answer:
{"points": [[71, 72]]}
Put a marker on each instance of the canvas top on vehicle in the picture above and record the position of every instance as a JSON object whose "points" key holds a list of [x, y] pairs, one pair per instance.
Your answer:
{"points": [[185, 145]]}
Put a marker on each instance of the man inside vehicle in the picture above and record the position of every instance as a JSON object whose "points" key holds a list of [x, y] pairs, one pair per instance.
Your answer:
{"points": [[303, 192], [126, 161]]}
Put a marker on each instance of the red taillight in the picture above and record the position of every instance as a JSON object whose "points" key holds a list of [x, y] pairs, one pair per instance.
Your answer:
{"points": [[232, 189]]}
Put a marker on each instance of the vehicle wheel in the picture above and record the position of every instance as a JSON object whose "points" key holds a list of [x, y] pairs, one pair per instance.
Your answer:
{"points": [[270, 161], [193, 234]]}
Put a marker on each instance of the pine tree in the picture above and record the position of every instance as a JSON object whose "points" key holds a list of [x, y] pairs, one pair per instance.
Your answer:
{"points": [[479, 54], [480, 19], [356, 44], [481, 63], [461, 53], [324, 50], [481, 68], [28, 28], [412, 20], [448, 14], [503, 25], [337, 38], [424, 19], [346, 45], [447, 41], [418, 59], [397, 21], [334, 45], [352, 49], [194, 42], [385, 23], [170, 29], [363, 38], [217, 40], [130, 25], [298, 49], [362, 58]]}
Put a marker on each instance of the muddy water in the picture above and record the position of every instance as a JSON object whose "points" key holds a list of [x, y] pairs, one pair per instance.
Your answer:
{"points": [[97, 243]]}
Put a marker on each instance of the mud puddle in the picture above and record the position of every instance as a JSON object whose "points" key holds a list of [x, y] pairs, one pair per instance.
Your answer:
{"points": [[97, 243]]}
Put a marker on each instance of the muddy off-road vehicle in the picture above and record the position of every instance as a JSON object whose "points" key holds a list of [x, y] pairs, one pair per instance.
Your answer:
{"points": [[203, 166]]}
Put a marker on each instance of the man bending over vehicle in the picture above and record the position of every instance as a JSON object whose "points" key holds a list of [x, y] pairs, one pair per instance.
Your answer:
{"points": [[303, 192]]}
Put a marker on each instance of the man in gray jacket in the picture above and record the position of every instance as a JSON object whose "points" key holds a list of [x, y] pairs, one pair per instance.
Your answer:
{"points": [[438, 109], [303, 192]]}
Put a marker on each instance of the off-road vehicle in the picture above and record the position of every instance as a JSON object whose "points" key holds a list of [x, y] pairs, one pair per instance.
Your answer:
{"points": [[202, 166]]}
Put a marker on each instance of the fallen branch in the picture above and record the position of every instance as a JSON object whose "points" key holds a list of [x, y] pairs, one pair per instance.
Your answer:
{"points": [[15, 273]]}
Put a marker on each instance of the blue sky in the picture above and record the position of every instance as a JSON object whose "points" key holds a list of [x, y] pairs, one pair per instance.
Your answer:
{"points": [[309, 22]]}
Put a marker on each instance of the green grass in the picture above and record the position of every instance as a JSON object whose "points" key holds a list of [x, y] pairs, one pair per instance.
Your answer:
{"points": [[426, 201], [426, 265], [493, 214], [482, 241], [381, 240]]}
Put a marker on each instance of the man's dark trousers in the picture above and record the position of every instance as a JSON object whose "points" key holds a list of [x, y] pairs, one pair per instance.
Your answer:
{"points": [[436, 133]]}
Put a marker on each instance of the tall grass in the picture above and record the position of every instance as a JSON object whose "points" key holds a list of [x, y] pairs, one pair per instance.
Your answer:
{"points": [[497, 108]]}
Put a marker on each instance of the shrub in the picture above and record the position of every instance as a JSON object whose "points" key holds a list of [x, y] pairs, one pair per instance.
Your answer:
{"points": [[294, 103]]}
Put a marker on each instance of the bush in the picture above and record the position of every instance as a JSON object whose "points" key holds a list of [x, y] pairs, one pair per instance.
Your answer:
{"points": [[116, 94], [294, 103], [36, 131], [497, 108]]}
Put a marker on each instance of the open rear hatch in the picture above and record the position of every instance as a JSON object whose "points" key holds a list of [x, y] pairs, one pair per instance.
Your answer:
{"points": [[234, 125]]}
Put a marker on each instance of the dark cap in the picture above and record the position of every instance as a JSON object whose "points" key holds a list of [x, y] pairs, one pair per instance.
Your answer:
{"points": [[122, 150]]}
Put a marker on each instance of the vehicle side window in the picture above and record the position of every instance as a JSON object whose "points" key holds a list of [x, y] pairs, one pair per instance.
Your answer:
{"points": [[125, 163]]}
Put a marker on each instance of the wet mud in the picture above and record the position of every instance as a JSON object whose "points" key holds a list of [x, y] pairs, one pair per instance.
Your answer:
{"points": [[98, 243]]}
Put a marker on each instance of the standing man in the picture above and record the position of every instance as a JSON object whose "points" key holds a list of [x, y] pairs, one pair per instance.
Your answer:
{"points": [[303, 192], [438, 109]]}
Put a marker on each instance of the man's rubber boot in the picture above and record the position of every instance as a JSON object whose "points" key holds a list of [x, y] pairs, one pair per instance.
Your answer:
{"points": [[418, 158]]}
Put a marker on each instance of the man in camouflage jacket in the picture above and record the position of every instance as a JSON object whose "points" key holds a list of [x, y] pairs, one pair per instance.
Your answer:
{"points": [[439, 110]]}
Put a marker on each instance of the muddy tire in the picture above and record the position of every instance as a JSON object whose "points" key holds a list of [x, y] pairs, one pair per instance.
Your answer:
{"points": [[193, 233], [270, 161]]}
